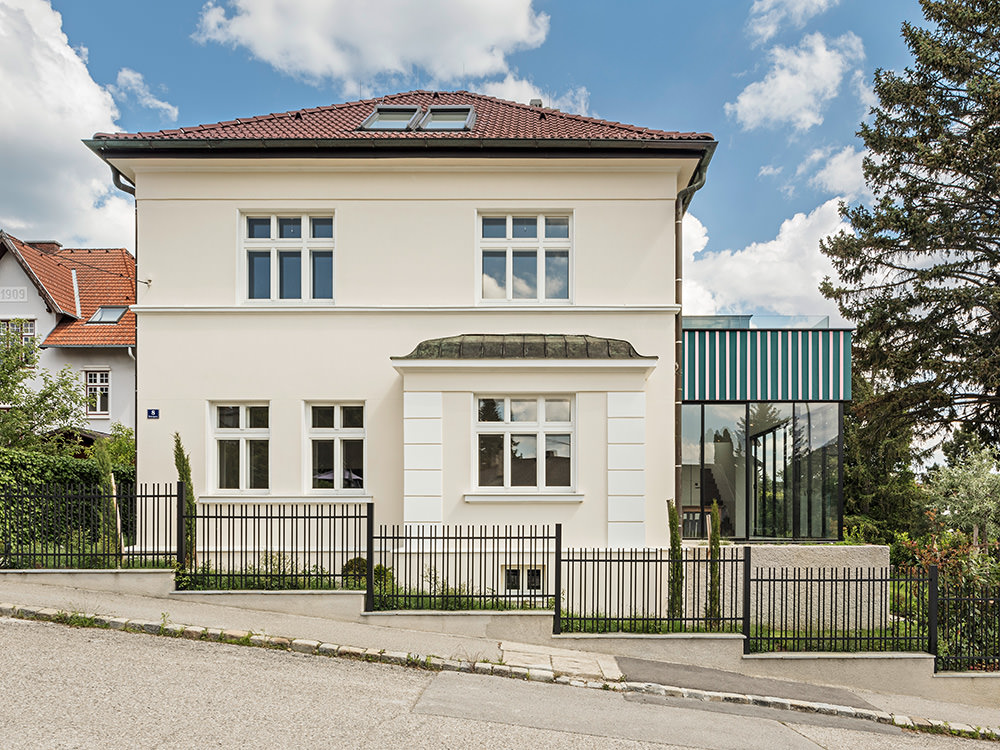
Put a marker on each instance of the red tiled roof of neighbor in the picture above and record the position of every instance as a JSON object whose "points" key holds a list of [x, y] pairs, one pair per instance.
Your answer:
{"points": [[496, 119], [104, 276]]}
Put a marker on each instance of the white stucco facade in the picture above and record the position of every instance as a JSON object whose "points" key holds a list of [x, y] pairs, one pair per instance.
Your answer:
{"points": [[406, 268]]}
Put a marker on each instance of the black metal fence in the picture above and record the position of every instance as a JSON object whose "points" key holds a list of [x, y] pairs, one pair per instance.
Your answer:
{"points": [[58, 526], [648, 591], [274, 546], [463, 567], [968, 627], [839, 609]]}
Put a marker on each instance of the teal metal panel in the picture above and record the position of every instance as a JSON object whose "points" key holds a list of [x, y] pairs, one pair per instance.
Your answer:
{"points": [[758, 365]]}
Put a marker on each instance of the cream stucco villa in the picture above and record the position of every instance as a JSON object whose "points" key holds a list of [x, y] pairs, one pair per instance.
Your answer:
{"points": [[461, 308]]}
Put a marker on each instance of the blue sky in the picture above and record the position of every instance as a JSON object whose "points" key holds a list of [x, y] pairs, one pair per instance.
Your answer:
{"points": [[782, 84]]}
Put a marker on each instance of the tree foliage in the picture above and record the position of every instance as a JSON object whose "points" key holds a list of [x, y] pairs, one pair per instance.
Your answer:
{"points": [[920, 273], [967, 492], [45, 409]]}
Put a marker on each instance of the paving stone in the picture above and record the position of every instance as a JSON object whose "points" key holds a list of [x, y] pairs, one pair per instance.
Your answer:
{"points": [[825, 708], [151, 627], [672, 692], [451, 665], [713, 696], [802, 706], [501, 670], [595, 684], [117, 623], [351, 651], [276, 641], [213, 634], [193, 632], [937, 724], [259, 640], [435, 662], [395, 657], [883, 717], [921, 723], [483, 667], [541, 675], [27, 612], [959, 727], [173, 630], [47, 613], [305, 646], [864, 713], [6, 609], [735, 698], [328, 649], [519, 673], [847, 712], [235, 635], [902, 721]]}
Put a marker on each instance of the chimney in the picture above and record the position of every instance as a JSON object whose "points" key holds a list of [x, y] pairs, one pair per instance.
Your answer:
{"points": [[535, 103], [45, 246]]}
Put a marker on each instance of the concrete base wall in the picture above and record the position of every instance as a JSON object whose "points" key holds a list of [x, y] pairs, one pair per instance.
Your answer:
{"points": [[332, 605], [533, 626], [717, 651], [141, 582]]}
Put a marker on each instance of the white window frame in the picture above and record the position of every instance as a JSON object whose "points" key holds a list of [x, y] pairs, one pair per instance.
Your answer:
{"points": [[97, 372], [540, 428], [244, 434], [338, 433], [27, 337], [305, 245], [539, 245]]}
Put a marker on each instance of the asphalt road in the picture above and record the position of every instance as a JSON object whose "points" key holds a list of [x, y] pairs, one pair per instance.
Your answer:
{"points": [[63, 687]]}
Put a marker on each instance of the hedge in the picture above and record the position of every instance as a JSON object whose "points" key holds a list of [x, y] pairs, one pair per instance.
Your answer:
{"points": [[28, 468]]}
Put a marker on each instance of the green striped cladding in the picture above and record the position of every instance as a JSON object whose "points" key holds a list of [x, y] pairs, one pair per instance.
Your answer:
{"points": [[767, 365]]}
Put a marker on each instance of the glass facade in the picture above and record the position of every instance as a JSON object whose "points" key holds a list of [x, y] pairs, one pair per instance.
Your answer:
{"points": [[773, 468]]}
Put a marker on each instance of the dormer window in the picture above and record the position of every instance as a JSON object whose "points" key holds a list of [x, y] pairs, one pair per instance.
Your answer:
{"points": [[108, 314], [389, 117], [448, 118]]}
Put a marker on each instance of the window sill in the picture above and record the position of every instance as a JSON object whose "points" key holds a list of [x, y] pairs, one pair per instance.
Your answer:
{"points": [[248, 496], [99, 416], [523, 497]]}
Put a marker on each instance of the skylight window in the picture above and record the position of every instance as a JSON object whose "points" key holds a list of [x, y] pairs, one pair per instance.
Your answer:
{"points": [[448, 118], [386, 117], [108, 314]]}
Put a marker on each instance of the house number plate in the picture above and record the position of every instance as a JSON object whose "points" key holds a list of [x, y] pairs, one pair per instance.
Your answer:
{"points": [[13, 294]]}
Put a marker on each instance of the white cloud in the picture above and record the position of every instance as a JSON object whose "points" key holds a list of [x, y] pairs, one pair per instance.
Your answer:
{"points": [[53, 187], [352, 42], [697, 300], [522, 90], [799, 84], [769, 170], [781, 276], [811, 159], [864, 91], [767, 16], [131, 83], [842, 174]]}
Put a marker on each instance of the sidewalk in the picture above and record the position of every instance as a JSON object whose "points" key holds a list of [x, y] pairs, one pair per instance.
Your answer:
{"points": [[542, 663]]}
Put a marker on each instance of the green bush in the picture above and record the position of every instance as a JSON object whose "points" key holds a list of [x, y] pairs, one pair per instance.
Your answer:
{"points": [[27, 468]]}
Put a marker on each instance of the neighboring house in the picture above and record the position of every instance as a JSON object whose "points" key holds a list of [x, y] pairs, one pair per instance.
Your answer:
{"points": [[462, 308], [74, 302]]}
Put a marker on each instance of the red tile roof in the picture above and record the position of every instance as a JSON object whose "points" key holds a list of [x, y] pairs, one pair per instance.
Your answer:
{"points": [[496, 119], [105, 276]]}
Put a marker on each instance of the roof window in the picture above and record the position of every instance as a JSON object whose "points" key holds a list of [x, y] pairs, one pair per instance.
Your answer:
{"points": [[389, 117], [448, 118], [108, 314]]}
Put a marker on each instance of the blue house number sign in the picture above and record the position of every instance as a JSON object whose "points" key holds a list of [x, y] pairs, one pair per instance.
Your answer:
{"points": [[152, 413]]}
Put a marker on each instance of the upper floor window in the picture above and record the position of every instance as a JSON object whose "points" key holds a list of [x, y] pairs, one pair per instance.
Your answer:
{"points": [[288, 256], [24, 327], [98, 392], [525, 257]]}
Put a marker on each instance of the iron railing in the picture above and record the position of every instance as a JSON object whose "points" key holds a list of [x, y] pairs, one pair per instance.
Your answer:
{"points": [[60, 526], [274, 546], [968, 627], [463, 567], [629, 591]]}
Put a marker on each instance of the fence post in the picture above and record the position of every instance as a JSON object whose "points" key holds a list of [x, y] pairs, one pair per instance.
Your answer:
{"points": [[557, 614], [932, 611], [181, 535], [370, 558], [746, 599]]}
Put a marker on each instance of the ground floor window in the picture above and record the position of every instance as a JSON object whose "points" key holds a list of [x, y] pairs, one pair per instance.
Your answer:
{"points": [[242, 446], [98, 392], [336, 435], [772, 467], [514, 432]]}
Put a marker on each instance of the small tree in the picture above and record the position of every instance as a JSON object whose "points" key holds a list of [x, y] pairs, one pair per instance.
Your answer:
{"points": [[675, 588], [968, 493], [110, 515], [42, 408], [713, 610], [182, 462]]}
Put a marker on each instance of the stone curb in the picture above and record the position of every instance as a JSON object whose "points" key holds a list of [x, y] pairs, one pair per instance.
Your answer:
{"points": [[316, 648]]}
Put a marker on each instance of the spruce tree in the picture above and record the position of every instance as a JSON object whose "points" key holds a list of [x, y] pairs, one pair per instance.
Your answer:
{"points": [[920, 273]]}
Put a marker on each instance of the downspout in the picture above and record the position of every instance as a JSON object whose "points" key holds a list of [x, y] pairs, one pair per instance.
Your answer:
{"points": [[681, 203]]}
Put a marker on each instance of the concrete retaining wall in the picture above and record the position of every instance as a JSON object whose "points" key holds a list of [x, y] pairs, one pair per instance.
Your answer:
{"points": [[141, 582], [332, 605], [525, 626]]}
